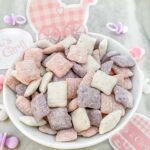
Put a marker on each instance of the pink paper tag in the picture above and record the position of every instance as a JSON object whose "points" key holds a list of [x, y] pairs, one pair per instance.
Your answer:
{"points": [[54, 20], [134, 136]]}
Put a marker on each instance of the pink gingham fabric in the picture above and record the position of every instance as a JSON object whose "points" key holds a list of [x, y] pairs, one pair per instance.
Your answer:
{"points": [[53, 18], [134, 136]]}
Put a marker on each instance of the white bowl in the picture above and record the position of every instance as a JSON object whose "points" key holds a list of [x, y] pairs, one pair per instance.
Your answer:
{"points": [[48, 140]]}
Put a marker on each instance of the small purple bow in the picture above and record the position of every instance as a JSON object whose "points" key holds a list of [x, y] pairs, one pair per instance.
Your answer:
{"points": [[14, 19], [118, 28], [10, 142]]}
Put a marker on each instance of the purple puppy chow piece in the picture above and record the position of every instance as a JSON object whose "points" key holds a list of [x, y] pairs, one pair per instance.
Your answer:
{"points": [[59, 119], [108, 55], [79, 70], [107, 66], [20, 89], [123, 96], [39, 106], [95, 117], [123, 61], [70, 74], [88, 97]]}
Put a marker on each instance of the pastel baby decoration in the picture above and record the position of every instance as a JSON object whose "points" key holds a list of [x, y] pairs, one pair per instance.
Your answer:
{"points": [[12, 42], [134, 136], [54, 20]]}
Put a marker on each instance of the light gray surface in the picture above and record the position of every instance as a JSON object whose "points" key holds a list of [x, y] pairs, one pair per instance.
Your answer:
{"points": [[126, 11]]}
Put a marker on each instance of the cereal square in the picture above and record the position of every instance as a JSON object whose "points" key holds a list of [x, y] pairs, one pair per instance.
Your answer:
{"points": [[77, 54], [104, 82], [72, 86], [123, 61], [24, 105], [86, 42], [59, 65], [95, 117], [123, 96], [88, 97], [79, 70], [66, 135], [20, 89], [80, 119], [27, 71], [108, 104], [92, 64], [57, 94], [59, 119], [39, 106], [34, 54], [12, 82]]}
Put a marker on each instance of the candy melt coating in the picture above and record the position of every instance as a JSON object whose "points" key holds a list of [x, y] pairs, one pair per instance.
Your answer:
{"points": [[55, 99], [109, 122], [31, 121], [80, 119], [103, 82]]}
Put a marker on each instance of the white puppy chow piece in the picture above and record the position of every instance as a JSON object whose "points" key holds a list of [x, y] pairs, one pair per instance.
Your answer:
{"points": [[103, 47], [57, 94], [67, 42], [44, 43], [31, 121], [32, 87], [86, 42], [109, 122], [45, 80], [104, 82], [92, 64], [80, 120]]}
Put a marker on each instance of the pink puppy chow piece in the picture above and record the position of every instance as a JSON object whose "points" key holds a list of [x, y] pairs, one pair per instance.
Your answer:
{"points": [[24, 105], [59, 119], [123, 96], [34, 54], [20, 89], [123, 61], [88, 97], [77, 54], [87, 79], [72, 86], [108, 104], [125, 83], [73, 105], [46, 129], [27, 71], [79, 70], [39, 106], [107, 66], [66, 135], [59, 65], [11, 82], [125, 72], [89, 132], [95, 117]]}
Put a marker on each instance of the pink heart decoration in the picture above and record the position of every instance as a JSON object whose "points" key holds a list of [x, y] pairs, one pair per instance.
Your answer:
{"points": [[137, 53]]}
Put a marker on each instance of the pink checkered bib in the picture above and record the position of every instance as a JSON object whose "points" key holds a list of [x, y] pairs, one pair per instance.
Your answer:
{"points": [[134, 136]]}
